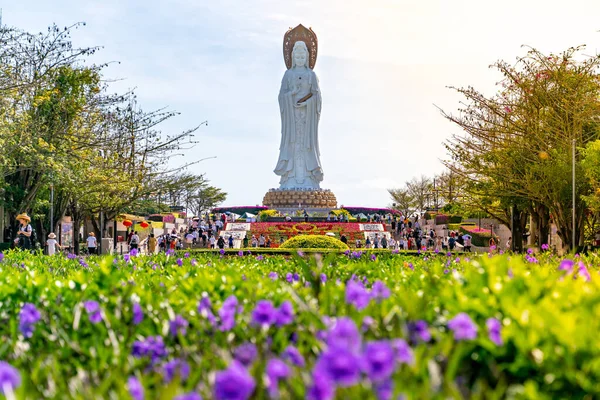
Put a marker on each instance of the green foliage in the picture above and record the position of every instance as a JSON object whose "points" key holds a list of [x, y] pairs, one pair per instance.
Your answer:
{"points": [[264, 215], [548, 317], [313, 242], [455, 219]]}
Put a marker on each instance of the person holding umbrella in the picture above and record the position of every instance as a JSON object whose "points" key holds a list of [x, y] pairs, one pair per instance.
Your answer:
{"points": [[467, 240]]}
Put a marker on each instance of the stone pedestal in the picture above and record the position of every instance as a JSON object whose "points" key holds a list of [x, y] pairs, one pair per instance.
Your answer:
{"points": [[305, 199]]}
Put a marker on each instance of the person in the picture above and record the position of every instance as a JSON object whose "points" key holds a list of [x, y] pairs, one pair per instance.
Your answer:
{"points": [[299, 166], [384, 242], [134, 242], [212, 242], [261, 240], [245, 242], [358, 243], [52, 244], [368, 242], [221, 242], [230, 241], [451, 242], [467, 240], [152, 244], [492, 242], [91, 243], [23, 239], [509, 243], [344, 239]]}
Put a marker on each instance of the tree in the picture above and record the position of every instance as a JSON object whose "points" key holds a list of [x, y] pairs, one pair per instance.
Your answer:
{"points": [[403, 201], [516, 150], [419, 189]]}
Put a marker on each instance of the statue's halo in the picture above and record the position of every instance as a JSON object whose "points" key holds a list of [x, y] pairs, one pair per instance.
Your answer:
{"points": [[300, 33]]}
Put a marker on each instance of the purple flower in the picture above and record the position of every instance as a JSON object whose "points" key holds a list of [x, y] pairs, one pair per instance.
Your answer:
{"points": [[188, 396], [204, 309], [1, 256], [136, 390], [9, 377], [566, 265], [152, 346], [126, 257], [373, 257], [28, 317], [285, 314], [293, 355], [241, 253], [494, 327], [322, 388], [357, 295], [379, 360], [340, 365], [93, 309], [178, 326], [380, 291], [234, 383], [273, 276], [296, 277], [245, 354], [180, 262], [276, 371], [174, 367], [404, 354], [529, 251], [222, 252], [138, 314], [170, 252], [384, 390], [264, 314], [545, 247], [259, 257], [289, 277], [323, 278], [583, 271], [367, 322], [227, 313], [463, 327], [71, 256], [419, 331], [133, 252], [300, 253], [344, 334]]}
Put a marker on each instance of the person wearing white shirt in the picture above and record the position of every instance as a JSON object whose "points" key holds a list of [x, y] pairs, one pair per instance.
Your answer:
{"points": [[52, 244], [91, 243]]}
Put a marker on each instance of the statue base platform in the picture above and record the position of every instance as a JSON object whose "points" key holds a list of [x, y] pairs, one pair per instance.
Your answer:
{"points": [[308, 199]]}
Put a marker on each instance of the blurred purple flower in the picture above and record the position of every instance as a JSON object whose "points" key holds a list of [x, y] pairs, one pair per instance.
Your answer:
{"points": [[222, 252], [180, 262], [494, 327], [170, 252], [545, 247], [566, 265], [152, 346], [419, 331], [357, 295], [344, 334], [126, 257], [367, 322], [276, 370], [71, 256], [293, 355], [245, 353], [289, 278], [285, 314], [323, 278], [530, 251], [379, 360], [178, 326], [322, 388], [384, 390], [188, 396], [138, 314], [259, 257], [296, 277], [28, 317], [234, 383], [1, 256], [463, 327], [273, 276], [241, 253], [300, 253], [135, 388], [133, 252], [93, 309], [373, 257], [205, 309], [264, 314], [380, 291], [227, 313], [583, 271], [9, 377], [404, 354], [174, 367], [340, 365]]}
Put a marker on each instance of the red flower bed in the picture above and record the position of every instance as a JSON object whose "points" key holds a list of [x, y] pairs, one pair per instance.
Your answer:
{"points": [[277, 231]]}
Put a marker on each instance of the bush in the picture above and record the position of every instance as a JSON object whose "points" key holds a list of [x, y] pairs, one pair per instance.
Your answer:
{"points": [[264, 215], [441, 219], [455, 219], [479, 237], [313, 242]]}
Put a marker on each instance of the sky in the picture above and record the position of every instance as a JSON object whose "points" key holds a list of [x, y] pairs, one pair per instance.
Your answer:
{"points": [[384, 68]]}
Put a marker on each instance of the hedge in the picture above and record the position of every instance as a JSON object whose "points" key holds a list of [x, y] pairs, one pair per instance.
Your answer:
{"points": [[314, 242], [479, 238]]}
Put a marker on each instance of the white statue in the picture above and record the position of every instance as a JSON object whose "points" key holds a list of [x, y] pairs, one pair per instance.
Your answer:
{"points": [[299, 163]]}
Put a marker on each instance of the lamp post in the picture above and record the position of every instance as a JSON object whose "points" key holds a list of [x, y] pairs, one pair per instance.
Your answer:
{"points": [[52, 207], [573, 195]]}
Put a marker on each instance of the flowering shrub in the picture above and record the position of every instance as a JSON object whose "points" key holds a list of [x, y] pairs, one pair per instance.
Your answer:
{"points": [[480, 236], [286, 230], [313, 242], [337, 326]]}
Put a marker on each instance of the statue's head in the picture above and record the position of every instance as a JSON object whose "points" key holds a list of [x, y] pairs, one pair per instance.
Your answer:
{"points": [[300, 55]]}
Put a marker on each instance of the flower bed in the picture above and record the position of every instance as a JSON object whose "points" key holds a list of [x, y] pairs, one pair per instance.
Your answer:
{"points": [[277, 231], [480, 236], [354, 325]]}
